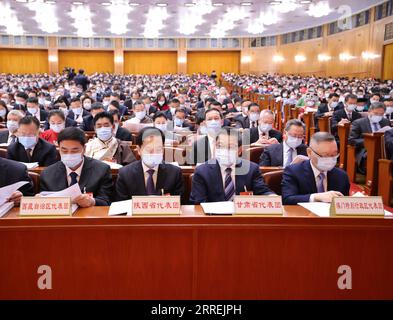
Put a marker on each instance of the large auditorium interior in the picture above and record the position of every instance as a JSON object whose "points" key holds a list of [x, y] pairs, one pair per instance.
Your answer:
{"points": [[196, 155]]}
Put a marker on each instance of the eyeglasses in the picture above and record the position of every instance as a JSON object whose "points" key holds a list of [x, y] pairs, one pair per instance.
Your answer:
{"points": [[323, 156]]}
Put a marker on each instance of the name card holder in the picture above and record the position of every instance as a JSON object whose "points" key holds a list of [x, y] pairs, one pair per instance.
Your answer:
{"points": [[258, 205], [357, 206], [156, 205], [45, 207]]}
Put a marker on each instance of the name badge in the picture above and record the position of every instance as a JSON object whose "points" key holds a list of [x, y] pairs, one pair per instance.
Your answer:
{"points": [[357, 206], [155, 205], [258, 205], [45, 206]]}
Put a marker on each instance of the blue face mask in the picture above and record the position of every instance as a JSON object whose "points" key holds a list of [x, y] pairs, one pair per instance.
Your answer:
{"points": [[152, 160], [213, 126], [104, 133], [28, 142], [178, 122]]}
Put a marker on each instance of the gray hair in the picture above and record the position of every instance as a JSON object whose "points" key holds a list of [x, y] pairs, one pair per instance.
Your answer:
{"points": [[266, 111], [322, 137], [16, 113], [377, 105], [294, 122]]}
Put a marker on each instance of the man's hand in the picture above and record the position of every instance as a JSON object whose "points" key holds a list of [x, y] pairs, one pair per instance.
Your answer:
{"points": [[273, 141], [15, 198], [84, 201], [328, 114], [327, 196], [343, 121]]}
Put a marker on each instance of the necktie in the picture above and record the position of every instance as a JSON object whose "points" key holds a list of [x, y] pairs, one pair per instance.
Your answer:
{"points": [[229, 186], [150, 189], [375, 125], [73, 176], [28, 152], [349, 116], [253, 124], [290, 157], [13, 139], [320, 187]]}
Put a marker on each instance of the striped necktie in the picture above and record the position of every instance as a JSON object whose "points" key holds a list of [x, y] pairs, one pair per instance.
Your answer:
{"points": [[229, 186]]}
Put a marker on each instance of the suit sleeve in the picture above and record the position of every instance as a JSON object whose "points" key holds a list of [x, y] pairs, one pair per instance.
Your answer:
{"points": [[122, 191], [105, 189], [258, 184], [11, 153], [51, 157], [334, 122], [389, 143], [179, 187], [290, 188], [198, 189], [127, 156], [265, 159], [355, 135], [321, 111], [27, 190]]}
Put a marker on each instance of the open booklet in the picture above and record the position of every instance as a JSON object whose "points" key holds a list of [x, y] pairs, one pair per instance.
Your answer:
{"points": [[30, 165], [218, 208], [5, 193], [74, 191]]}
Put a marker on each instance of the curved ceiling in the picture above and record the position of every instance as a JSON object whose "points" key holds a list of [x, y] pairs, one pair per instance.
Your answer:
{"points": [[171, 18]]}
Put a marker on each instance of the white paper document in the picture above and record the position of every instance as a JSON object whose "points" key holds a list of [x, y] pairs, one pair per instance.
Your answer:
{"points": [[113, 165], [120, 207], [219, 208], [5, 207], [74, 191], [321, 209], [7, 191], [299, 159], [30, 165]]}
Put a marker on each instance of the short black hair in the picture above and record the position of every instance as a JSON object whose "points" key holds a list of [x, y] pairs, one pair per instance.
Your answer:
{"points": [[160, 114], [253, 105], [175, 100], [81, 71], [72, 133], [115, 103], [32, 100], [350, 96], [102, 115], [29, 120], [214, 109], [181, 110], [147, 132], [231, 131], [22, 95], [74, 100], [114, 112], [97, 106], [56, 112]]}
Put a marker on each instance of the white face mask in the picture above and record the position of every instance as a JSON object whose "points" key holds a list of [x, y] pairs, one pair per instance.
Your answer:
{"points": [[351, 107], [376, 119], [254, 117], [152, 160], [213, 126], [104, 133], [359, 108], [87, 106], [77, 111], [293, 142], [389, 110], [225, 157], [33, 111], [162, 127], [71, 160], [265, 127], [2, 113], [161, 103], [57, 127], [140, 114], [12, 126], [326, 163]]}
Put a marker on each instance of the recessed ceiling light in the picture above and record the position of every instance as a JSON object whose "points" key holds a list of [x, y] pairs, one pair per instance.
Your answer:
{"points": [[189, 4], [218, 4], [246, 4], [77, 3], [305, 1], [23, 1], [106, 4], [50, 2], [161, 4], [273, 3], [134, 4]]}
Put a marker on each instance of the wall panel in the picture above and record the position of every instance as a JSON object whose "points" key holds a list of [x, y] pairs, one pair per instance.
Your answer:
{"points": [[90, 61], [23, 61], [150, 62], [206, 61]]}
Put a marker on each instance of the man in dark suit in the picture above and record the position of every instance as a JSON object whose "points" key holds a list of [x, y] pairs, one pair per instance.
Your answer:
{"points": [[82, 80], [93, 176], [249, 120], [346, 115], [389, 108], [120, 133], [203, 148], [13, 118], [264, 133], [225, 176], [282, 155], [317, 179], [374, 122], [33, 109], [12, 172], [76, 110], [180, 122], [150, 175], [87, 124], [29, 147], [327, 109], [389, 144]]}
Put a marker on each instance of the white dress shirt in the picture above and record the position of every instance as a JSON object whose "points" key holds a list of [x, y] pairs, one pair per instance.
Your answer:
{"points": [[316, 177], [224, 174], [285, 153], [77, 171]]}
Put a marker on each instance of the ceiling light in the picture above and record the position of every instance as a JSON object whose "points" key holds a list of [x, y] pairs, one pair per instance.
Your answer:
{"points": [[369, 55], [246, 4], [345, 56], [300, 58], [274, 3], [245, 59], [155, 21], [189, 4], [192, 17], [285, 6], [106, 4], [319, 9], [218, 4], [182, 60], [50, 2], [305, 1], [134, 4], [118, 19], [45, 16], [22, 1], [77, 3], [324, 57], [9, 20], [82, 20], [161, 4], [278, 58]]}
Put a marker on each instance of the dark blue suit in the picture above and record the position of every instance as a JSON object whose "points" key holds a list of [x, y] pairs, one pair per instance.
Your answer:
{"points": [[207, 185], [389, 143], [298, 183]]}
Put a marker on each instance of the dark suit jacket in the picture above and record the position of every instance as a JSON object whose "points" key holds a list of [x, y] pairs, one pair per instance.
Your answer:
{"points": [[71, 114], [87, 124], [273, 156], [254, 135], [68, 123], [389, 143], [298, 183], [207, 185], [131, 181], [44, 153], [361, 126], [82, 80], [12, 172], [341, 114], [43, 115], [123, 134], [323, 108], [95, 177], [4, 134], [200, 151], [242, 122]]}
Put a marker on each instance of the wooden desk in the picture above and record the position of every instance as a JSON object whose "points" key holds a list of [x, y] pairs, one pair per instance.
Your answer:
{"points": [[193, 256]]}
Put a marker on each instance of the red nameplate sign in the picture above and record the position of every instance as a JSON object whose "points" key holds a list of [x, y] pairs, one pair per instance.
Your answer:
{"points": [[357, 206], [45, 206], [155, 205], [258, 205]]}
